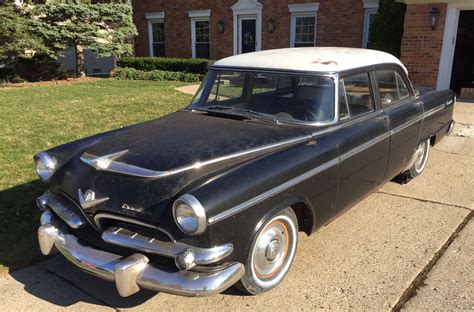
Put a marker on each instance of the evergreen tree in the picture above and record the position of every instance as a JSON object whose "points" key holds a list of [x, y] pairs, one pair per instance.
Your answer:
{"points": [[16, 34], [104, 28], [386, 30]]}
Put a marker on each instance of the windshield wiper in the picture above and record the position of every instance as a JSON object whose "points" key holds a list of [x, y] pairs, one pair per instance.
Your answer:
{"points": [[245, 111]]}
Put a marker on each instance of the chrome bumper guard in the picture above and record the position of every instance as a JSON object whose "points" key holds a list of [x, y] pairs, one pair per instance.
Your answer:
{"points": [[133, 272]]}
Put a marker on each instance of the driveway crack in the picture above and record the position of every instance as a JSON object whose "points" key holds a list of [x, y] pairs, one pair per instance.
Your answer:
{"points": [[426, 200], [420, 278], [439, 150]]}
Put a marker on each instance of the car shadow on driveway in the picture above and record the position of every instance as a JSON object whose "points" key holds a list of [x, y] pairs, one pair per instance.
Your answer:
{"points": [[61, 283]]}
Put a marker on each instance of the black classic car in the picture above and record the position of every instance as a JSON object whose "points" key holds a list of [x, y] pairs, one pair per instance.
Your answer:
{"points": [[274, 142]]}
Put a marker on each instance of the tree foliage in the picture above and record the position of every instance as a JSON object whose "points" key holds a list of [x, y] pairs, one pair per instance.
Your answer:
{"points": [[48, 27], [17, 39], [386, 30], [104, 28]]}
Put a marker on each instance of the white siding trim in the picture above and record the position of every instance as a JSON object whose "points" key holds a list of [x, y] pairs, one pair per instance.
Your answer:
{"points": [[303, 7], [371, 4], [200, 13], [155, 15], [449, 42]]}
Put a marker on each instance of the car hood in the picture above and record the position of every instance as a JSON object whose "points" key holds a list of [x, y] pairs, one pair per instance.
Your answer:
{"points": [[176, 152]]}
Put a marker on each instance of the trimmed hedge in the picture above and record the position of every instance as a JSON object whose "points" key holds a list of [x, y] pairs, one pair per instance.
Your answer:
{"points": [[155, 75], [195, 66]]}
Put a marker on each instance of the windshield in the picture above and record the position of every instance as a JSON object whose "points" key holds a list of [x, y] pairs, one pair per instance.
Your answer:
{"points": [[285, 97]]}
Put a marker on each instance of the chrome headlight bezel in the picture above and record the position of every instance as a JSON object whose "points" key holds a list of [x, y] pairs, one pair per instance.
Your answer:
{"points": [[196, 215], [45, 166]]}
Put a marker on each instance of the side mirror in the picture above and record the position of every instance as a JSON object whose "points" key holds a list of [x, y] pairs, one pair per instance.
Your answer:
{"points": [[417, 93]]}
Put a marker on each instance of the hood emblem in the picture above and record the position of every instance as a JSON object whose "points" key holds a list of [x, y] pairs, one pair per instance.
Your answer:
{"points": [[127, 207], [88, 200]]}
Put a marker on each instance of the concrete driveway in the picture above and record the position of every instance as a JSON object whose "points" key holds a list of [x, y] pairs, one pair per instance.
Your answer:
{"points": [[404, 247]]}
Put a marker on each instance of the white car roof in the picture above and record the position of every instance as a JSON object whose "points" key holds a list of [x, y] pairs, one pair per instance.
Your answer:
{"points": [[314, 59]]}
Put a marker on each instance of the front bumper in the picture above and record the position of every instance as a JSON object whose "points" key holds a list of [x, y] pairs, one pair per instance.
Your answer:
{"points": [[133, 272]]}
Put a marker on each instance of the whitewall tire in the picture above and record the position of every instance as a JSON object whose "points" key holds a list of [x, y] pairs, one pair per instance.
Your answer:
{"points": [[272, 253], [420, 158]]}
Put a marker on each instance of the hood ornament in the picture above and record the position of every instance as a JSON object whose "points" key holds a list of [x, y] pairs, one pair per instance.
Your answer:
{"points": [[88, 200], [103, 162]]}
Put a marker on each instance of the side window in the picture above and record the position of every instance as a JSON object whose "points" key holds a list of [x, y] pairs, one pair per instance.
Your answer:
{"points": [[391, 86], [402, 87], [343, 112], [357, 94]]}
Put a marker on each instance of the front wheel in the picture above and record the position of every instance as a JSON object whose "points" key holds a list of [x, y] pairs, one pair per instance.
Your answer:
{"points": [[272, 253], [420, 158]]}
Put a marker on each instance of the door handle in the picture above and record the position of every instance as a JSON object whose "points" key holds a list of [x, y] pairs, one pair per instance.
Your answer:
{"points": [[382, 117]]}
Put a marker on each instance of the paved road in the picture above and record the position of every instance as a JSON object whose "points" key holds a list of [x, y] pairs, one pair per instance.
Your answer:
{"points": [[406, 247]]}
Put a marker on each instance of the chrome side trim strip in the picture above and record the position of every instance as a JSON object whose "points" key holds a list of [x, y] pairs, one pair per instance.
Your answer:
{"points": [[433, 111], [259, 198], [406, 125], [253, 201], [122, 168], [282, 187], [364, 146], [129, 239]]}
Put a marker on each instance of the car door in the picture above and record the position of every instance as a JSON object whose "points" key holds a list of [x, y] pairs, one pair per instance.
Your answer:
{"points": [[363, 139], [398, 102]]}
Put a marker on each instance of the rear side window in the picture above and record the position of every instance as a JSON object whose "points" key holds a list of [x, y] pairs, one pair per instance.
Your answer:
{"points": [[392, 87], [355, 94]]}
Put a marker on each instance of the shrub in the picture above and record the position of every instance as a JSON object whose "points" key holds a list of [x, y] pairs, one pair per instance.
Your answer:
{"points": [[41, 68], [155, 75], [386, 30], [195, 66]]}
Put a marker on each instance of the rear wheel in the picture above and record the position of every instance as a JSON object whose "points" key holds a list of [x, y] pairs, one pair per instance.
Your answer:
{"points": [[420, 158], [272, 253]]}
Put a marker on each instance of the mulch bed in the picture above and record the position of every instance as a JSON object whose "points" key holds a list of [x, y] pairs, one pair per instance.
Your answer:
{"points": [[50, 83]]}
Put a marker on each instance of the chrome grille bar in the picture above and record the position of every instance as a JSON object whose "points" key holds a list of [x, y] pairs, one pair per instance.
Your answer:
{"points": [[130, 239]]}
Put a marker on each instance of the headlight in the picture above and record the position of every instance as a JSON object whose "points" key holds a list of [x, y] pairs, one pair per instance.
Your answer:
{"points": [[189, 215], [45, 165]]}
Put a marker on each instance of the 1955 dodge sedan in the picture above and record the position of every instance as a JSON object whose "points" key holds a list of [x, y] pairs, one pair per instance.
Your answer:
{"points": [[274, 142]]}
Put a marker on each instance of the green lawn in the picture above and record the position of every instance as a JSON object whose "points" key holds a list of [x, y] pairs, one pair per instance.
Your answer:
{"points": [[40, 117]]}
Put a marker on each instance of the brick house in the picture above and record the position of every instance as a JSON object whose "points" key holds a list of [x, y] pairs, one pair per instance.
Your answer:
{"points": [[218, 28]]}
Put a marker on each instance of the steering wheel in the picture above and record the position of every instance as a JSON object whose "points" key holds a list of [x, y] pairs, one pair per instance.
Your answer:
{"points": [[298, 107]]}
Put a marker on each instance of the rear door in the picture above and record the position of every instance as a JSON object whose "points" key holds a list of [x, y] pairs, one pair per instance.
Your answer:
{"points": [[363, 139], [398, 102]]}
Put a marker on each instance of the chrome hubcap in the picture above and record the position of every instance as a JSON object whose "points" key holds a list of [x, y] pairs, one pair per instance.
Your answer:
{"points": [[271, 249], [420, 157]]}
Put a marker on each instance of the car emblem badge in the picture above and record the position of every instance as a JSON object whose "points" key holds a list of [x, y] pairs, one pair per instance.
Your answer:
{"points": [[88, 200], [127, 207]]}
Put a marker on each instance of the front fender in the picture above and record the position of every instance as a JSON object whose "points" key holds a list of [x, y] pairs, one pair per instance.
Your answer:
{"points": [[264, 186]]}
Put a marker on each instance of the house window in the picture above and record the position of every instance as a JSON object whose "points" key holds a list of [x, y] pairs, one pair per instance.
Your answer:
{"points": [[200, 33], [303, 24], [370, 7], [158, 31], [156, 34], [305, 31], [202, 48]]}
